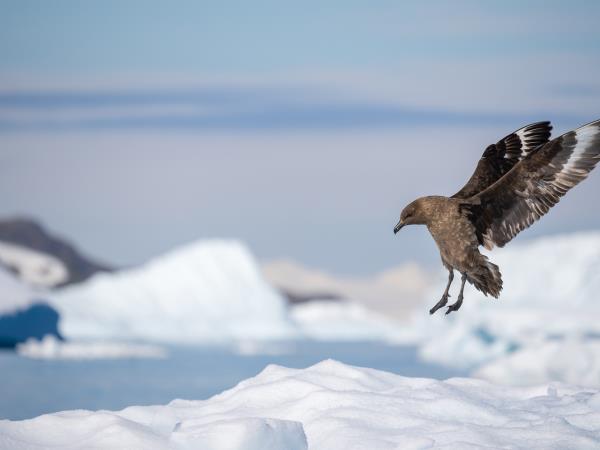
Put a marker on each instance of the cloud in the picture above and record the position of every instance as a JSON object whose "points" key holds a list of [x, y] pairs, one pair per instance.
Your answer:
{"points": [[234, 107]]}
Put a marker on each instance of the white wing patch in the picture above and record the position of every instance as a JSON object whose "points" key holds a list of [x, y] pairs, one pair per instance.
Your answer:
{"points": [[585, 139], [525, 136], [522, 133], [574, 156]]}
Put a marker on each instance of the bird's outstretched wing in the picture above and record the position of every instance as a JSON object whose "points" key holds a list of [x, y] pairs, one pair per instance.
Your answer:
{"points": [[534, 185], [499, 158]]}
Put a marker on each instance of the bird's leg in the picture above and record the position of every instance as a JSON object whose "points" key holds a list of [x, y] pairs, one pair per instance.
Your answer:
{"points": [[456, 306], [445, 296]]}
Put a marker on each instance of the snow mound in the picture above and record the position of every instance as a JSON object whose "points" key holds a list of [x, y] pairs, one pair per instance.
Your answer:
{"points": [[52, 348], [332, 406], [551, 290], [203, 292]]}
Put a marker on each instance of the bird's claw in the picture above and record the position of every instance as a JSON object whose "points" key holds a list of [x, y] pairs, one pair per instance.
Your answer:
{"points": [[455, 306], [450, 309], [440, 304]]}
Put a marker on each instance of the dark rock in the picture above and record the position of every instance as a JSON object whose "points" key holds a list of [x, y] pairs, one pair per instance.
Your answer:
{"points": [[29, 234], [295, 298]]}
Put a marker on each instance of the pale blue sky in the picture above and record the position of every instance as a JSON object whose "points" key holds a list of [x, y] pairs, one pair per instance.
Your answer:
{"points": [[133, 126], [114, 35]]}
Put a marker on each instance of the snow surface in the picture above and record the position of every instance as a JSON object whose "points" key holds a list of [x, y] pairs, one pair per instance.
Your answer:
{"points": [[551, 291], [52, 348], [200, 293], [332, 406], [35, 268]]}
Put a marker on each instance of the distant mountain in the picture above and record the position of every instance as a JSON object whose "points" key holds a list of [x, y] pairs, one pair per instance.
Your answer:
{"points": [[40, 258], [297, 298]]}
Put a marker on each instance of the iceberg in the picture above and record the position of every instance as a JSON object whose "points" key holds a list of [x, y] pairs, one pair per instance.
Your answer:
{"points": [[204, 292], [395, 292], [574, 360], [551, 291], [345, 320], [22, 314], [207, 292], [49, 347], [14, 294]]}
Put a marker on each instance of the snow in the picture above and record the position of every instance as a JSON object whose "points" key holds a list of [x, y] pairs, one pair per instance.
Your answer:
{"points": [[35, 268], [572, 360], [203, 292], [332, 406], [248, 347], [248, 433], [344, 320], [23, 313], [52, 348], [14, 295], [551, 291]]}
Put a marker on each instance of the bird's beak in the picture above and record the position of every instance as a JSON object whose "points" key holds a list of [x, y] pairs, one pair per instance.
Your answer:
{"points": [[398, 226]]}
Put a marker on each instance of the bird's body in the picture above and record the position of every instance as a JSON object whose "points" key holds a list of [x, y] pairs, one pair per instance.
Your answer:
{"points": [[455, 236], [517, 180], [456, 239], [448, 226]]}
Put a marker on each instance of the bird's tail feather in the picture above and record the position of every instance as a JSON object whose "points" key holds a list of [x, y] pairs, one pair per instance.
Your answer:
{"points": [[487, 278]]}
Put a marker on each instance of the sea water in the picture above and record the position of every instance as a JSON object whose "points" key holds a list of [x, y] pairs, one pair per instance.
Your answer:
{"points": [[30, 387]]}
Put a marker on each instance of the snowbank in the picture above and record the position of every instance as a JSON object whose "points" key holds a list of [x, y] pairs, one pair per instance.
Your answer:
{"points": [[551, 291], [333, 406], [52, 348], [200, 293]]}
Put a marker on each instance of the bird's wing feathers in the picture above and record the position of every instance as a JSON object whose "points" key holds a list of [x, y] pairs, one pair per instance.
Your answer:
{"points": [[534, 185], [499, 158]]}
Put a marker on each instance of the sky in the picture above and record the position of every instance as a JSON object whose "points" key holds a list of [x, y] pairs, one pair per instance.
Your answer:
{"points": [[131, 127]]}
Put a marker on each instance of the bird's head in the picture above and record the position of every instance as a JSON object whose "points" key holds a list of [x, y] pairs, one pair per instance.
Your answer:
{"points": [[412, 214]]}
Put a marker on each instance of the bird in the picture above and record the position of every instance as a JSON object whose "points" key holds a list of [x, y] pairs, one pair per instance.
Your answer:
{"points": [[516, 182]]}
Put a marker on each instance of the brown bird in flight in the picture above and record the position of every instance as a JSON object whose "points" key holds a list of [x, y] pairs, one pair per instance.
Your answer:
{"points": [[517, 181]]}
